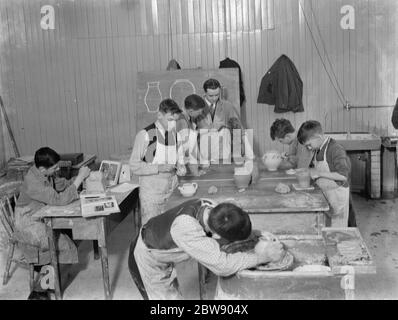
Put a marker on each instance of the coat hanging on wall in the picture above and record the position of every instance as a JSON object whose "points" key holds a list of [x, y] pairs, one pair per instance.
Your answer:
{"points": [[282, 86], [394, 118], [229, 63]]}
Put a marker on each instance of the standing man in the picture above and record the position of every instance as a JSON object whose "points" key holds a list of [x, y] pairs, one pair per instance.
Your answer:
{"points": [[331, 169], [298, 156], [219, 118], [157, 158]]}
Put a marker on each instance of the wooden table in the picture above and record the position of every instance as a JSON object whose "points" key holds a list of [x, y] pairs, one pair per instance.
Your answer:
{"points": [[95, 228], [298, 212], [295, 213]]}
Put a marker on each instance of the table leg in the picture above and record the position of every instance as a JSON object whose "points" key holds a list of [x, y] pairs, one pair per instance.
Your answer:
{"points": [[104, 259], [137, 216], [95, 248], [54, 258]]}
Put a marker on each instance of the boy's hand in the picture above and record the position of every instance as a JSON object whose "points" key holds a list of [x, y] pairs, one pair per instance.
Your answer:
{"points": [[314, 173], [84, 172], [268, 251], [181, 170]]}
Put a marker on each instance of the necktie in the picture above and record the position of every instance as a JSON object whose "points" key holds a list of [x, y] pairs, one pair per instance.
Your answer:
{"points": [[212, 110]]}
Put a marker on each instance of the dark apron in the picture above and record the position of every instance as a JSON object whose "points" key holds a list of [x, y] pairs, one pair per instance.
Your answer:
{"points": [[135, 273]]}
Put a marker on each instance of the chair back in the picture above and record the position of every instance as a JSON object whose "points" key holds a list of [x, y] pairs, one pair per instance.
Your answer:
{"points": [[7, 213]]}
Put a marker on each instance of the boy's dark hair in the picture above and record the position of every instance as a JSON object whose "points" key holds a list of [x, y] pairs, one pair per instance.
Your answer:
{"points": [[169, 105], [211, 84], [307, 130], [280, 128], [46, 157], [194, 102], [230, 222]]}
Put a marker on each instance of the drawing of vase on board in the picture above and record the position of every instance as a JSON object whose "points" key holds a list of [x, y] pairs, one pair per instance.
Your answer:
{"points": [[153, 96], [180, 89]]}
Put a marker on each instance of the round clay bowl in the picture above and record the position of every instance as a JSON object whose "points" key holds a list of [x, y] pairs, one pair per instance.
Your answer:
{"points": [[242, 181], [272, 160]]}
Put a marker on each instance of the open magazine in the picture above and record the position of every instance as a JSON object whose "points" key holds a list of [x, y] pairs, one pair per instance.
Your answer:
{"points": [[98, 205]]}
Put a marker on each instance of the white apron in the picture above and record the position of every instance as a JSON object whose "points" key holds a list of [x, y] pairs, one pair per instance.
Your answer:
{"points": [[338, 196], [156, 189]]}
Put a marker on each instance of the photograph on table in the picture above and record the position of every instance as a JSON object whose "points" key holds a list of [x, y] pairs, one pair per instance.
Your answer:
{"points": [[110, 171]]}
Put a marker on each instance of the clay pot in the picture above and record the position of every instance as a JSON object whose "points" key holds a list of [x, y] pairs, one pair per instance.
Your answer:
{"points": [[272, 160], [303, 177], [242, 180]]}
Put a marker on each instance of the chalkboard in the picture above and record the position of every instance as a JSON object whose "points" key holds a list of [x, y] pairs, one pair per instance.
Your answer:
{"points": [[152, 87]]}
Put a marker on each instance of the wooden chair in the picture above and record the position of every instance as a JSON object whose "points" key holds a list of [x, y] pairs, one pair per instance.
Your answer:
{"points": [[7, 218]]}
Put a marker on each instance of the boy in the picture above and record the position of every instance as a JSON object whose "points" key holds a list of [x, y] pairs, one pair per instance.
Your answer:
{"points": [[191, 230], [331, 169], [42, 187], [298, 156], [155, 158]]}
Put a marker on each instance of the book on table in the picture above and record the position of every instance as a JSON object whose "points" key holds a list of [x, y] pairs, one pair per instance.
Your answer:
{"points": [[98, 204]]}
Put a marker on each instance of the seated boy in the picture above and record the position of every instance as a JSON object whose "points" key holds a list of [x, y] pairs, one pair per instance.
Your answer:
{"points": [[331, 169], [193, 229], [41, 187], [298, 156]]}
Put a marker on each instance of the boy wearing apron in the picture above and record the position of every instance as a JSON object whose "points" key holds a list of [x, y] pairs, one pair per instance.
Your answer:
{"points": [[157, 158], [330, 169]]}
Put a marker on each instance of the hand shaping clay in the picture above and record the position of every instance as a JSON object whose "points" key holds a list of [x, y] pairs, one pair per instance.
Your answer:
{"points": [[282, 188]]}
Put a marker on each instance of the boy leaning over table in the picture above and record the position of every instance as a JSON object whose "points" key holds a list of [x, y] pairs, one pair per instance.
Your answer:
{"points": [[194, 229], [298, 156], [330, 168], [42, 186]]}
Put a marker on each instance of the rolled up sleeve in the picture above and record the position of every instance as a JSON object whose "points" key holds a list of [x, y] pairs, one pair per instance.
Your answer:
{"points": [[189, 236], [137, 165]]}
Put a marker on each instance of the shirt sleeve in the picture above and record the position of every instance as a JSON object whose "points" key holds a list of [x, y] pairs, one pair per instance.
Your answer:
{"points": [[189, 235], [293, 153], [137, 165], [48, 195], [339, 160]]}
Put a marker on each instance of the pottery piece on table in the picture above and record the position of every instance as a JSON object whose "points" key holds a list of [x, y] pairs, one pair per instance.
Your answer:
{"points": [[272, 160], [188, 189], [282, 188], [303, 177]]}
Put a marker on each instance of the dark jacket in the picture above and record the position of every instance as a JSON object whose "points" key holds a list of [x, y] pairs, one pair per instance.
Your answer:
{"points": [[394, 118], [229, 63], [282, 86]]}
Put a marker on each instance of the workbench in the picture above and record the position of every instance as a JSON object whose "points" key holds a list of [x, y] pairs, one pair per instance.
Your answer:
{"points": [[94, 228], [297, 212]]}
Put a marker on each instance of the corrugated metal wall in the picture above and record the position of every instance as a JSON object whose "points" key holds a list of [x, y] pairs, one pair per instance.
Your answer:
{"points": [[73, 88]]}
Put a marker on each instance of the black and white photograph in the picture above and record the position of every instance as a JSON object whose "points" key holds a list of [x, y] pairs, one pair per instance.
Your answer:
{"points": [[258, 140]]}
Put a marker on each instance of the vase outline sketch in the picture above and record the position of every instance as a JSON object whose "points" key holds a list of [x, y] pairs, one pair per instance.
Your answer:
{"points": [[180, 99], [153, 96]]}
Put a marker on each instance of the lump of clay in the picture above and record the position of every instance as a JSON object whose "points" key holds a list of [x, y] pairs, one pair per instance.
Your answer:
{"points": [[212, 190], [282, 188]]}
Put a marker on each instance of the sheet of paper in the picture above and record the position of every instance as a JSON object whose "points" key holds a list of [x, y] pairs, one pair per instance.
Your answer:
{"points": [[124, 187]]}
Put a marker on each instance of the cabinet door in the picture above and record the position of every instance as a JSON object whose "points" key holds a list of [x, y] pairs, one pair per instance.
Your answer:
{"points": [[358, 170]]}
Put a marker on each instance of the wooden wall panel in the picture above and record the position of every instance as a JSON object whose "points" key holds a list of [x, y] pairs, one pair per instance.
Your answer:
{"points": [[73, 88]]}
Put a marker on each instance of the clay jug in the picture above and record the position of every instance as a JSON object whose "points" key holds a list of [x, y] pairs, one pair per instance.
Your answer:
{"points": [[303, 177]]}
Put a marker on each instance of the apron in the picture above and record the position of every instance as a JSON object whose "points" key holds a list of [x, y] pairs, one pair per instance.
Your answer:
{"points": [[155, 190], [338, 196]]}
